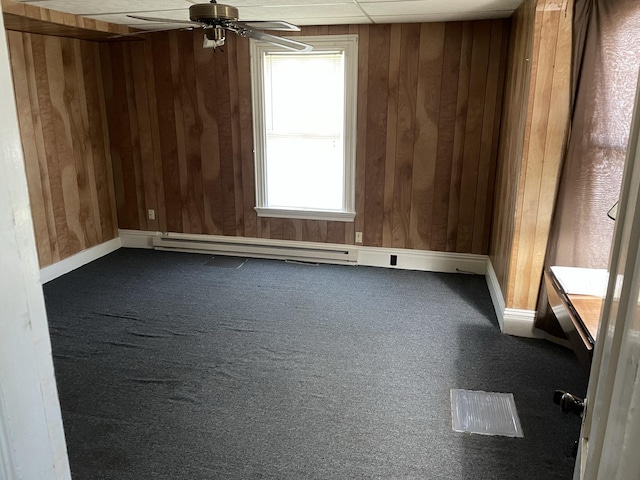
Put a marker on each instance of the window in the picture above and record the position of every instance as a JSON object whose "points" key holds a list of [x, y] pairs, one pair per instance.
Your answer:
{"points": [[304, 116]]}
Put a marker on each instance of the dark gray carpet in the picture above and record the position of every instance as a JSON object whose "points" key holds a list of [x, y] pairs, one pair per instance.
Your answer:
{"points": [[221, 261], [169, 369]]}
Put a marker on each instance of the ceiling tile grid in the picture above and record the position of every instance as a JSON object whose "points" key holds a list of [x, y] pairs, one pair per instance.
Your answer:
{"points": [[300, 12]]}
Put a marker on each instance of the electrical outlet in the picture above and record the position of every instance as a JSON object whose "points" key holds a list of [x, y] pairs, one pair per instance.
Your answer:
{"points": [[358, 237], [152, 214]]}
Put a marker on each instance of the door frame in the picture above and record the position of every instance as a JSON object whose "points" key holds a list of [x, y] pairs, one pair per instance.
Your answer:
{"points": [[32, 443], [610, 430]]}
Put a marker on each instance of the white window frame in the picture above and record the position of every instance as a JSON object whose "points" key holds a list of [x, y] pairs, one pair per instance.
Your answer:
{"points": [[328, 43]]}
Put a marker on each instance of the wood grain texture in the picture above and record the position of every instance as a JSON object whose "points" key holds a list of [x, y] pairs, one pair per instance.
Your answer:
{"points": [[534, 129], [405, 135], [428, 113], [387, 112], [58, 90], [30, 18], [430, 74]]}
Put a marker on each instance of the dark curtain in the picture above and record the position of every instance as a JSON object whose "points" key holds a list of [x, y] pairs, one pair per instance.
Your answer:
{"points": [[606, 61]]}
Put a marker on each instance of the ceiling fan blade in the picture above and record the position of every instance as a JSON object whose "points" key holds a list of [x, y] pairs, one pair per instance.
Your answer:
{"points": [[279, 41], [165, 20], [270, 25], [144, 32]]}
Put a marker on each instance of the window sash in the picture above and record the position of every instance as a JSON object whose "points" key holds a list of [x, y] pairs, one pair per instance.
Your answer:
{"points": [[339, 48]]}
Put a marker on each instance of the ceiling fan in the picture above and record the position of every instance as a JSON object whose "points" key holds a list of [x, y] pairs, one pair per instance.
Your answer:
{"points": [[216, 19]]}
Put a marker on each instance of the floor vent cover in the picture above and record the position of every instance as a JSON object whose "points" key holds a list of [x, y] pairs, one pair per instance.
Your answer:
{"points": [[485, 413]]}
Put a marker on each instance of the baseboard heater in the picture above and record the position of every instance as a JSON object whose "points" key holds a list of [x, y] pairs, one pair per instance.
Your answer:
{"points": [[275, 249]]}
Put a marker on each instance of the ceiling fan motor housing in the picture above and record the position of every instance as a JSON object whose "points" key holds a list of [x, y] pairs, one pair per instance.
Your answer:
{"points": [[212, 13]]}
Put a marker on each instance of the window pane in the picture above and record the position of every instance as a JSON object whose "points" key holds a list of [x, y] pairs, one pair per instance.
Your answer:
{"points": [[305, 94], [305, 173]]}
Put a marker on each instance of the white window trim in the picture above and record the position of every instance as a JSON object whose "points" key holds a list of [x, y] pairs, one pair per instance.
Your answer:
{"points": [[348, 43]]}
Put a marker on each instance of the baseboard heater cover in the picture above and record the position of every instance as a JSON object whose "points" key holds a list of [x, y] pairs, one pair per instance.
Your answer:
{"points": [[310, 253]]}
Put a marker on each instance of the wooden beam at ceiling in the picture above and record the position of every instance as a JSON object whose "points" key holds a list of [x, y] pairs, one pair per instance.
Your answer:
{"points": [[43, 21]]}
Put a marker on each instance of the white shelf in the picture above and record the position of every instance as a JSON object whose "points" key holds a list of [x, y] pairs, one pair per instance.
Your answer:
{"points": [[582, 281]]}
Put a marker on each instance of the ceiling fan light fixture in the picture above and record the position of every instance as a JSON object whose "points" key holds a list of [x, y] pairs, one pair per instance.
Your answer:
{"points": [[213, 38]]}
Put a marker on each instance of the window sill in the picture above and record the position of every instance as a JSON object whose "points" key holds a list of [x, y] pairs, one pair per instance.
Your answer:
{"points": [[328, 215]]}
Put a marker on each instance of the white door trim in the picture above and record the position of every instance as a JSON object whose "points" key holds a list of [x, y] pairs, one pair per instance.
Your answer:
{"points": [[611, 427], [32, 444]]}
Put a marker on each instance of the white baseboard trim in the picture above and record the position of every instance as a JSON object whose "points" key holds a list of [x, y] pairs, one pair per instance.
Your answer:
{"points": [[406, 259], [512, 321], [519, 323], [79, 259], [424, 260], [496, 294]]}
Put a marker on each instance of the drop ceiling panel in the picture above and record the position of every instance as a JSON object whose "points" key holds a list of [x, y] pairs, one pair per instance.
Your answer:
{"points": [[439, 17], [457, 4], [123, 19], [300, 12], [92, 7], [281, 3], [281, 12], [331, 21], [425, 7]]}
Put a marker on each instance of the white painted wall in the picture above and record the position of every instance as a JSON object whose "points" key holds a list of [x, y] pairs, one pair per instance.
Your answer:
{"points": [[32, 445]]}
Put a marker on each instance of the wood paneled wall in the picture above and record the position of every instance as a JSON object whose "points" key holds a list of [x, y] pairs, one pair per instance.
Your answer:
{"points": [[61, 110], [514, 119], [429, 103], [534, 131]]}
